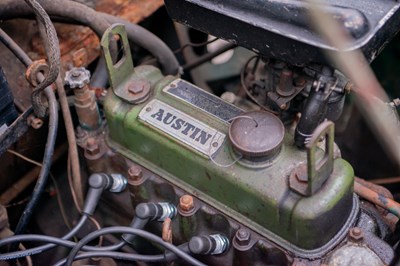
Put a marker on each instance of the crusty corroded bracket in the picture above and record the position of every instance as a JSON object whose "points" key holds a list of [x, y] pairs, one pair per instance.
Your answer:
{"points": [[124, 82], [320, 170], [308, 178], [122, 69]]}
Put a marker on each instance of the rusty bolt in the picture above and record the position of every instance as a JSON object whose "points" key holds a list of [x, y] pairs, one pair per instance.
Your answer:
{"points": [[186, 203], [138, 86], [301, 173], [135, 173], [242, 237], [356, 234], [92, 147]]}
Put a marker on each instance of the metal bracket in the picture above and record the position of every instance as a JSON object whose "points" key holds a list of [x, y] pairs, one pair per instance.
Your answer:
{"points": [[124, 82], [308, 178]]}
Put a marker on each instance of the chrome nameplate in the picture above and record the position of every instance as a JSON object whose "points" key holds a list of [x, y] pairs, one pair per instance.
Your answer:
{"points": [[182, 127]]}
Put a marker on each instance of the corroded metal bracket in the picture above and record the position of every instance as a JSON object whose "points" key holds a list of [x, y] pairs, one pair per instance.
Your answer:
{"points": [[308, 178], [124, 82]]}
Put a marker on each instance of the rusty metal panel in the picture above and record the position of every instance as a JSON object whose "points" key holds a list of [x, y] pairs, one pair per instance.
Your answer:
{"points": [[81, 43]]}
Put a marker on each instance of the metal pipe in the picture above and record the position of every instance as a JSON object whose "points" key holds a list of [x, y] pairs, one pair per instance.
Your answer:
{"points": [[377, 198], [73, 149], [385, 181]]}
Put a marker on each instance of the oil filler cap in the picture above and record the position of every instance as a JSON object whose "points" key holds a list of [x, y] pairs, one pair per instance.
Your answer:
{"points": [[257, 135]]}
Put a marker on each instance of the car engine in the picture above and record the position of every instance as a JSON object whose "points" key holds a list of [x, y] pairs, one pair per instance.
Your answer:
{"points": [[199, 132]]}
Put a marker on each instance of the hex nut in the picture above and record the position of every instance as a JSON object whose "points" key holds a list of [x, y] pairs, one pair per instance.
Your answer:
{"points": [[186, 203], [356, 234], [242, 237], [138, 86]]}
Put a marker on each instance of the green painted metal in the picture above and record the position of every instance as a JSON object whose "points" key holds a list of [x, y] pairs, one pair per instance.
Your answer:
{"points": [[258, 197]]}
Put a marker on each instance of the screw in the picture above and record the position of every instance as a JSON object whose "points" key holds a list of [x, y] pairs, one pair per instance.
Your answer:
{"points": [[135, 173], [186, 203], [356, 234], [92, 147], [242, 237]]}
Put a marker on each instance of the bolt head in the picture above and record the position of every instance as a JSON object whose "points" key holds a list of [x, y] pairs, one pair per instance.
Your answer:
{"points": [[138, 86], [243, 237], [135, 173], [301, 173], [356, 234], [186, 203]]}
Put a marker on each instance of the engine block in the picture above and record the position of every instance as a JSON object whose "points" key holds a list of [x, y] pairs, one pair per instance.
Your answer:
{"points": [[180, 133]]}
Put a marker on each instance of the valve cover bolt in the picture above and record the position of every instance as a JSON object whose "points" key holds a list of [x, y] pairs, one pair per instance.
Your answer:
{"points": [[135, 173], [186, 203], [242, 237], [356, 234]]}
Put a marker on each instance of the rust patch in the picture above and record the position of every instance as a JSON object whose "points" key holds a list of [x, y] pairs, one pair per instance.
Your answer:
{"points": [[73, 38]]}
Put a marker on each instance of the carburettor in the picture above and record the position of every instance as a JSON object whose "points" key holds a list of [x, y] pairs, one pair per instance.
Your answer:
{"points": [[231, 172]]}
